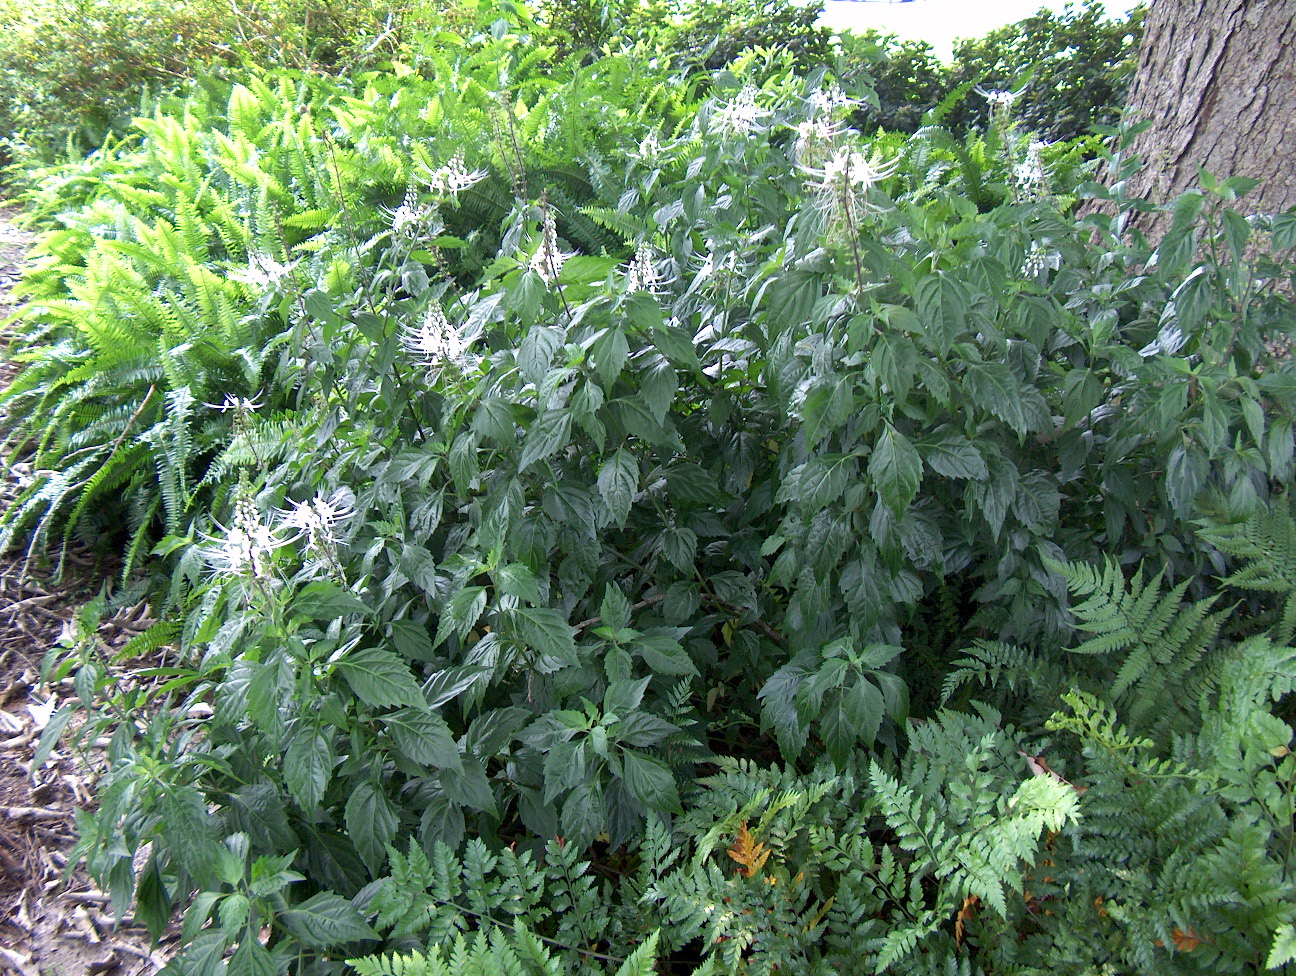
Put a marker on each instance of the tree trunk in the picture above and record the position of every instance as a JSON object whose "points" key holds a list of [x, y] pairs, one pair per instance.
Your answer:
{"points": [[1217, 79]]}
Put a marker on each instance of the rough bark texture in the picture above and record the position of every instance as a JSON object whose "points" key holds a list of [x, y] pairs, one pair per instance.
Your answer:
{"points": [[1217, 78]]}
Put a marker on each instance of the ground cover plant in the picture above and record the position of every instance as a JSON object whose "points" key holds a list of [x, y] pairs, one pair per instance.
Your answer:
{"points": [[621, 519]]}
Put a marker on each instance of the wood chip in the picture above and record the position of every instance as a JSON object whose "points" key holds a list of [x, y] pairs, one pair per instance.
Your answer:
{"points": [[18, 962], [34, 814]]}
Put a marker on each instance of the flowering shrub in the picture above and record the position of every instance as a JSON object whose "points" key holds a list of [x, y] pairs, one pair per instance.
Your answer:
{"points": [[639, 501]]}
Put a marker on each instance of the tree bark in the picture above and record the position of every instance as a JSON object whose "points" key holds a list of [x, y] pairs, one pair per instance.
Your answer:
{"points": [[1217, 80]]}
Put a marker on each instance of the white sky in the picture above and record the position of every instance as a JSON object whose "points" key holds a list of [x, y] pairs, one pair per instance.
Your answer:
{"points": [[938, 22]]}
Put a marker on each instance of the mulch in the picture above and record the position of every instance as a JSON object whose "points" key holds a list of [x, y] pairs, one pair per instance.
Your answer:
{"points": [[53, 920]]}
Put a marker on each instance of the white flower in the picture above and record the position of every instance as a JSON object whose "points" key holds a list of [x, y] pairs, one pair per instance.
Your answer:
{"points": [[454, 177], [240, 405], [741, 116], [263, 272], [641, 275], [409, 217], [247, 545], [548, 259], [316, 519], [844, 183], [1031, 175], [1001, 102], [649, 147], [437, 342], [1039, 260]]}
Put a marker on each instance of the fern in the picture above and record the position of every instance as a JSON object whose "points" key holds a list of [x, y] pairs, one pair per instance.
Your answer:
{"points": [[499, 954]]}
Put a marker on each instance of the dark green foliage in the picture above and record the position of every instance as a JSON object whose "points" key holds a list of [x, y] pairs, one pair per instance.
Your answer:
{"points": [[75, 72], [1075, 67], [672, 514]]}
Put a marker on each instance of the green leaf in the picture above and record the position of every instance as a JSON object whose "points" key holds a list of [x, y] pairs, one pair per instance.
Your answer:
{"points": [[615, 608], [583, 814], [251, 958], [50, 736], [819, 482], [468, 786], [463, 462], [994, 389], [659, 384], [325, 921], [517, 580], [895, 359], [463, 611], [548, 435], [204, 956], [677, 346], [1082, 392], [536, 352], [618, 480], [896, 469], [642, 962], [955, 456], [494, 418], [412, 640], [324, 600], [308, 766], [1283, 949], [650, 782], [679, 546], [609, 353], [371, 823], [1186, 473], [546, 631], [380, 678], [664, 654], [941, 302], [424, 736], [642, 729]]}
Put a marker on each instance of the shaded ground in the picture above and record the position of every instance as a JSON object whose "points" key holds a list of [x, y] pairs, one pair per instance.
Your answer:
{"points": [[52, 923]]}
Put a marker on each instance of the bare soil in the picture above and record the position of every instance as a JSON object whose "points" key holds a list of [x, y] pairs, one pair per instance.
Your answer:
{"points": [[53, 920]]}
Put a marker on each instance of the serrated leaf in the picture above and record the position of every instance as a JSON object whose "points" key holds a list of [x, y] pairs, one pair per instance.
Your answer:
{"points": [[379, 678], [941, 302], [463, 611], [677, 346], [50, 736], [820, 481], [517, 580], [308, 766], [547, 436], [536, 353], [609, 354], [896, 469], [412, 639], [659, 384], [614, 608], [994, 389], [371, 823], [679, 546], [325, 921], [664, 655], [650, 782], [1186, 474], [494, 418], [643, 729], [424, 736], [545, 631], [251, 958], [618, 480], [323, 600], [468, 786], [954, 456]]}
